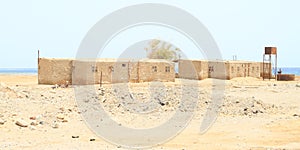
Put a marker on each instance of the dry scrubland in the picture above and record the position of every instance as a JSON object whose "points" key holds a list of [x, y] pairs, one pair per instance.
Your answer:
{"points": [[254, 114]]}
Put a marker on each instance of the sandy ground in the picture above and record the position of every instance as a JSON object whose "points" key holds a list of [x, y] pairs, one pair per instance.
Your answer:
{"points": [[254, 114]]}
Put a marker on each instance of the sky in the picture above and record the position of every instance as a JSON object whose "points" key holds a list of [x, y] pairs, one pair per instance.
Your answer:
{"points": [[56, 28]]}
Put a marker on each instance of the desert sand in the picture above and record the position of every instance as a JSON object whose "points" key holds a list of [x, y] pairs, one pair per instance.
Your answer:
{"points": [[254, 114]]}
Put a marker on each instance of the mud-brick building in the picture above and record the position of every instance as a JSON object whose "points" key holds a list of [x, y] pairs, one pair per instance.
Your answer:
{"points": [[242, 69], [193, 69], [55, 71], [202, 69]]}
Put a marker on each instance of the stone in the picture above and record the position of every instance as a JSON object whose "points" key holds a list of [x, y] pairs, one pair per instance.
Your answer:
{"points": [[32, 118], [60, 116], [2, 121], [235, 86], [62, 109], [56, 86], [75, 136], [41, 122], [55, 125], [298, 85], [32, 127], [22, 123], [34, 123]]}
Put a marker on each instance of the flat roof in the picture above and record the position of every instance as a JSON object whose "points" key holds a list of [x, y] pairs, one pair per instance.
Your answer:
{"points": [[111, 60], [225, 61]]}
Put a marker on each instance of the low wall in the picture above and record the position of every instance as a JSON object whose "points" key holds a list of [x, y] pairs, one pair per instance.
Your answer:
{"points": [[83, 72], [157, 70], [190, 69], [202, 69], [54, 71]]}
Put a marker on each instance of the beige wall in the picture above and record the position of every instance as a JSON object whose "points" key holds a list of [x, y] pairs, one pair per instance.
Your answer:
{"points": [[199, 69], [147, 72], [54, 71], [217, 70], [83, 72], [193, 69], [244, 69], [89, 72]]}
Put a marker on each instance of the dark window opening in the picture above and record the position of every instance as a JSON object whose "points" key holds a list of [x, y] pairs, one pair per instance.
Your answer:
{"points": [[94, 69], [154, 68], [211, 69], [168, 69]]}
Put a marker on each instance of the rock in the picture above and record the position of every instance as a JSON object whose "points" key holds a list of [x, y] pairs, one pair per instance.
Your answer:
{"points": [[298, 85], [21, 123], [32, 128], [55, 125], [55, 86], [255, 112], [62, 109], [38, 118], [75, 136], [41, 123], [2, 121], [235, 86], [32, 118], [34, 123], [102, 91], [60, 116]]}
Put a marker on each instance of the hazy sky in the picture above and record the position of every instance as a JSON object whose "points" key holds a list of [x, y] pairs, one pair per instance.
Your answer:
{"points": [[240, 27]]}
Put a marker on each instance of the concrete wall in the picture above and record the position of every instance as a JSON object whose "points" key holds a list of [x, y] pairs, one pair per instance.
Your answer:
{"points": [[54, 71], [243, 69], [89, 71], [217, 70], [199, 69], [193, 69], [82, 72], [156, 70]]}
